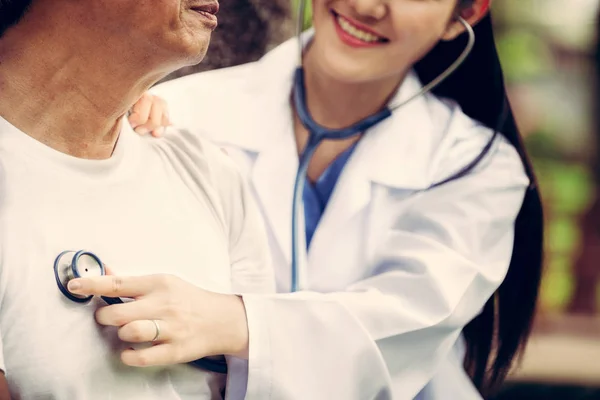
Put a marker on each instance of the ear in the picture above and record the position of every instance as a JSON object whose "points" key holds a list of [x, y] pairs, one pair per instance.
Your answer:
{"points": [[472, 13]]}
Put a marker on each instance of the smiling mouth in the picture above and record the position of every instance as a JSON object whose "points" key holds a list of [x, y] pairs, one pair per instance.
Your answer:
{"points": [[358, 32]]}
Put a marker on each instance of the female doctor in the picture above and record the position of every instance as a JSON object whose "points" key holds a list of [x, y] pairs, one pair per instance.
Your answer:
{"points": [[423, 234]]}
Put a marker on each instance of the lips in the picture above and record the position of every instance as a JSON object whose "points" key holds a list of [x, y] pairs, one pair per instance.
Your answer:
{"points": [[207, 12], [209, 7], [353, 31]]}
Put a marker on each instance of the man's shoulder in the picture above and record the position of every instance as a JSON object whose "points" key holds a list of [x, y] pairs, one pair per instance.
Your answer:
{"points": [[202, 159]]}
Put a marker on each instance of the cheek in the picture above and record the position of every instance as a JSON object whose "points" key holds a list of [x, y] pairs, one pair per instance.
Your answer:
{"points": [[161, 13], [136, 17], [156, 13], [413, 39], [320, 8]]}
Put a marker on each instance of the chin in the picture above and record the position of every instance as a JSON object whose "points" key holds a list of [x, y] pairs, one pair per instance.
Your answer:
{"points": [[194, 49], [196, 57], [347, 70]]}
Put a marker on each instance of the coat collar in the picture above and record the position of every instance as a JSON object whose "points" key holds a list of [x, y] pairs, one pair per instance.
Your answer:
{"points": [[398, 153]]}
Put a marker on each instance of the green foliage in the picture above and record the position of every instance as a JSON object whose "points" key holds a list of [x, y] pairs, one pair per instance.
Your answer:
{"points": [[567, 190], [557, 285], [524, 55], [562, 235], [307, 13], [569, 187]]}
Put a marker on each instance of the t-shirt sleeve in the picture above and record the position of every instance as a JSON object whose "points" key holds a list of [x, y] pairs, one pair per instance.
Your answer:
{"points": [[251, 267]]}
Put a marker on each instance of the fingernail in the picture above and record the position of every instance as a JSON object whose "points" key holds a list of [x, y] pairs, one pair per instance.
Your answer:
{"points": [[158, 132], [74, 286], [142, 131]]}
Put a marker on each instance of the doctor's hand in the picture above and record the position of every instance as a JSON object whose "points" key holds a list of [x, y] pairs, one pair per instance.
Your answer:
{"points": [[192, 323], [149, 115]]}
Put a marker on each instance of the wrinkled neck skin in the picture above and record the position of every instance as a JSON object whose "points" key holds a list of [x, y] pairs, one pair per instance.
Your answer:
{"points": [[338, 104], [66, 93]]}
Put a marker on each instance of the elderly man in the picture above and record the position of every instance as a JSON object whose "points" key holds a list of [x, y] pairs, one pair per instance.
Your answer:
{"points": [[73, 176]]}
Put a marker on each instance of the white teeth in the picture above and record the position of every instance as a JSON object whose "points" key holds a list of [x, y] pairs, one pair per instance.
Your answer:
{"points": [[357, 33]]}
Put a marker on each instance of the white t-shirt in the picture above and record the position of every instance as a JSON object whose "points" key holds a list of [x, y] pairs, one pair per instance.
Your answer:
{"points": [[174, 206]]}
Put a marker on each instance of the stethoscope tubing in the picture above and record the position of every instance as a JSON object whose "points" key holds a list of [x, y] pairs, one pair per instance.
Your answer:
{"points": [[318, 133]]}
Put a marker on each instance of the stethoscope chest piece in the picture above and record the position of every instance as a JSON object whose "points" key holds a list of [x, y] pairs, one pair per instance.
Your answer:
{"points": [[70, 265], [84, 264]]}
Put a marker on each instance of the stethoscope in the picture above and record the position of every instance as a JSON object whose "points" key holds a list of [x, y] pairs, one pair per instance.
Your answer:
{"points": [[70, 265], [318, 133]]}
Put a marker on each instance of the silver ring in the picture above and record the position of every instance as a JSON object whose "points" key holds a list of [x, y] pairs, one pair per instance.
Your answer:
{"points": [[156, 336]]}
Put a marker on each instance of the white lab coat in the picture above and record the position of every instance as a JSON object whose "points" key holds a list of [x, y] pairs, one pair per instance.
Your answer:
{"points": [[394, 272]]}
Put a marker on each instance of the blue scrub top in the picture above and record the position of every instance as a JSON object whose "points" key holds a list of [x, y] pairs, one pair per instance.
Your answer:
{"points": [[316, 195]]}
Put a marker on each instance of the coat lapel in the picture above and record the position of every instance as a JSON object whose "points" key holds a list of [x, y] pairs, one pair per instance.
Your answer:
{"points": [[397, 154], [269, 138], [273, 176]]}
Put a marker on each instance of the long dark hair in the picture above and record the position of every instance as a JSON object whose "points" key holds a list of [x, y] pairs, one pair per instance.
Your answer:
{"points": [[499, 334]]}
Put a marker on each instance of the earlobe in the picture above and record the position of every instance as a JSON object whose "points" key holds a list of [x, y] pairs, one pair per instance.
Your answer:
{"points": [[455, 28], [472, 15]]}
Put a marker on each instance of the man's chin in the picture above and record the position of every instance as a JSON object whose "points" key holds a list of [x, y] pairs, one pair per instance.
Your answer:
{"points": [[195, 59], [194, 52], [201, 44]]}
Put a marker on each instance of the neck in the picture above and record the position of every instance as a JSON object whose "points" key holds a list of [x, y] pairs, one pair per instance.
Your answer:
{"points": [[336, 104], [65, 93]]}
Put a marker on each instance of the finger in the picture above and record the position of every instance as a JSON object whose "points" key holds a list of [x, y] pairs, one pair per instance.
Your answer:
{"points": [[124, 313], [108, 270], [141, 111], [155, 116], [166, 119], [160, 354], [158, 132], [113, 286], [145, 330]]}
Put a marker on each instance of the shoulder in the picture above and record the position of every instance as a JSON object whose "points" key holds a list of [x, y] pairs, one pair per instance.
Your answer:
{"points": [[207, 172], [201, 155], [463, 139]]}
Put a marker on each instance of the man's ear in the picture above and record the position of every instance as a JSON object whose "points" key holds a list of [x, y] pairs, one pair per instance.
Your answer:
{"points": [[473, 13]]}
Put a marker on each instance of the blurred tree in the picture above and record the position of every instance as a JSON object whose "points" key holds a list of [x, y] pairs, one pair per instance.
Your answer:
{"points": [[587, 267], [247, 30]]}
